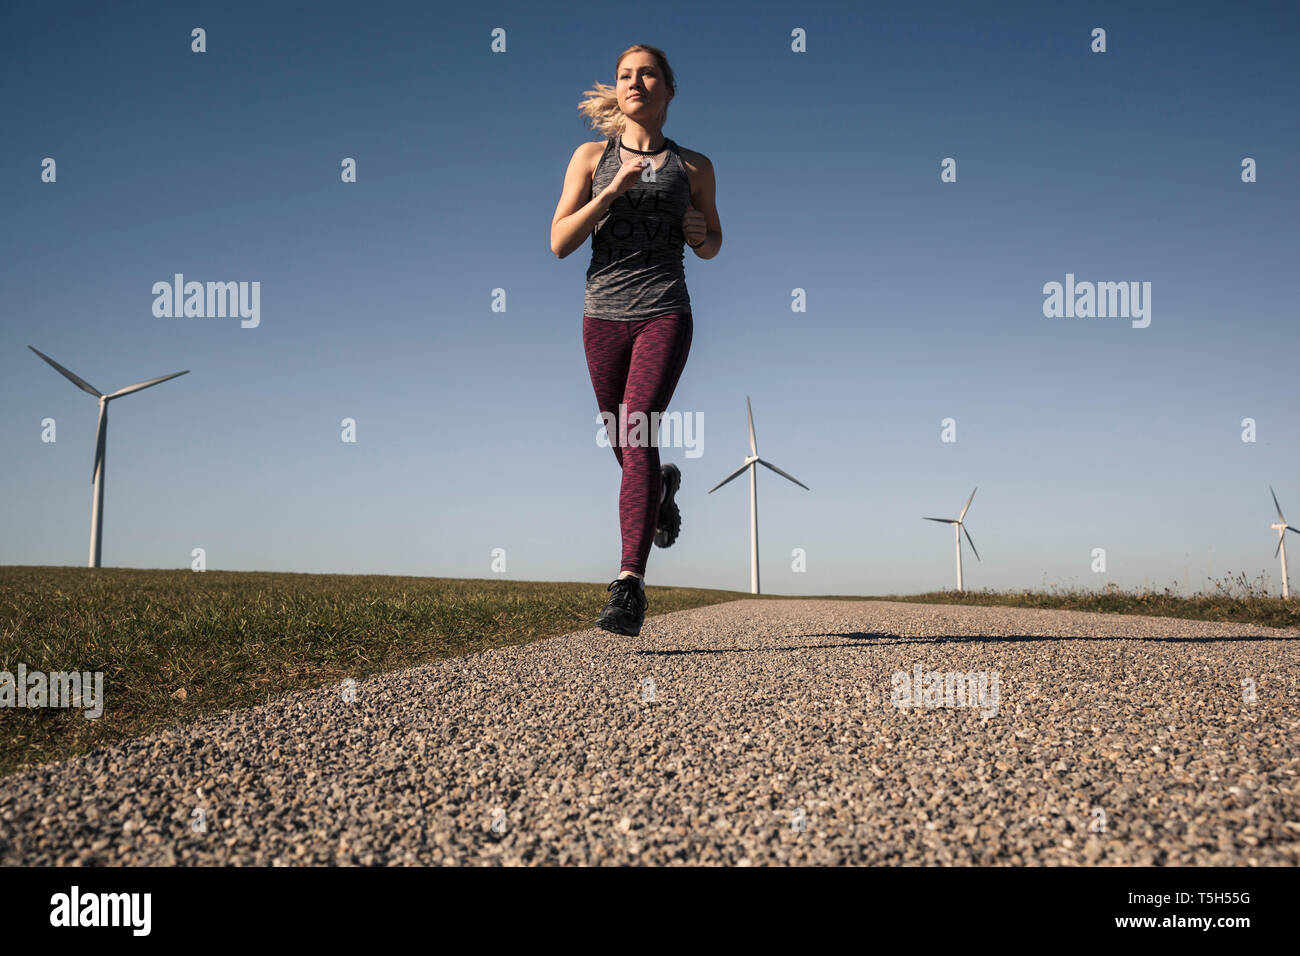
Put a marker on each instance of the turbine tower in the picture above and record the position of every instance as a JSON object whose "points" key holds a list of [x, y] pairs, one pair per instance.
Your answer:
{"points": [[1281, 530], [750, 462], [958, 527], [97, 502]]}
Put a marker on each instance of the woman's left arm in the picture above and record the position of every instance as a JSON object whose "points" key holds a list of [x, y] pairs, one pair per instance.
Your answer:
{"points": [[704, 203]]}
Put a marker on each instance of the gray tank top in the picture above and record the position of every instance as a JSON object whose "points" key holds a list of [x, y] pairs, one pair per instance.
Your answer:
{"points": [[637, 269]]}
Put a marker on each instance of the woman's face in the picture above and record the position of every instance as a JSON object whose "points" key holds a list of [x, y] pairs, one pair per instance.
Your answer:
{"points": [[642, 92]]}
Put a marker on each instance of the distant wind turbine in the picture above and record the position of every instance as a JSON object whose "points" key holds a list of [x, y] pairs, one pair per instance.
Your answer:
{"points": [[97, 502], [1281, 530], [750, 462], [958, 528]]}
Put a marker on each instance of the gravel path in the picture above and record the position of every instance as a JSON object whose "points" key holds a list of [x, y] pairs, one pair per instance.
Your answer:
{"points": [[770, 734]]}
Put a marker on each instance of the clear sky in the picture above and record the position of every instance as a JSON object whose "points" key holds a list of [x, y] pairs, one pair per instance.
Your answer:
{"points": [[476, 428]]}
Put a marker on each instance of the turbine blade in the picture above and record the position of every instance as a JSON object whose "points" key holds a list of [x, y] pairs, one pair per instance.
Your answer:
{"points": [[734, 474], [1270, 491], [153, 381], [76, 380], [1278, 549], [968, 501], [1289, 528], [971, 540], [943, 520], [784, 475], [753, 445]]}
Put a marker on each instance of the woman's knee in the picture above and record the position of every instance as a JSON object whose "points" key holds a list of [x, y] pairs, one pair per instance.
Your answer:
{"points": [[641, 457]]}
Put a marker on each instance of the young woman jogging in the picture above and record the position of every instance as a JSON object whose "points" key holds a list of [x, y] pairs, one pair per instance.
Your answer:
{"points": [[636, 324]]}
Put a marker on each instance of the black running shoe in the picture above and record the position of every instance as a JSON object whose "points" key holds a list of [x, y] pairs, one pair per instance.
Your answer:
{"points": [[670, 517], [626, 608]]}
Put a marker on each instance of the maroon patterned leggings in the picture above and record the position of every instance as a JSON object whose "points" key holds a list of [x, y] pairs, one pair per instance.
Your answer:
{"points": [[636, 364]]}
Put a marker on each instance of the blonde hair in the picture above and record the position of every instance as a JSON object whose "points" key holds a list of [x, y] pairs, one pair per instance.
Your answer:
{"points": [[601, 107]]}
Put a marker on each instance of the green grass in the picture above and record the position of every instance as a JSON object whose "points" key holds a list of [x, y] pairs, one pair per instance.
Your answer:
{"points": [[1232, 599], [235, 639]]}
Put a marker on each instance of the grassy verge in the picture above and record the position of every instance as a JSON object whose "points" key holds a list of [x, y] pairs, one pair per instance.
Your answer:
{"points": [[176, 645], [1233, 599]]}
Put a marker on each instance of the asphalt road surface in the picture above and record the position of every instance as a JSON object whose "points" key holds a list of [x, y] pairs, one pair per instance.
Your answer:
{"points": [[754, 732]]}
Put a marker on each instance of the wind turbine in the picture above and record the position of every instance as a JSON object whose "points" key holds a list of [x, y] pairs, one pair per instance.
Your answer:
{"points": [[97, 502], [750, 462], [958, 528], [1281, 530]]}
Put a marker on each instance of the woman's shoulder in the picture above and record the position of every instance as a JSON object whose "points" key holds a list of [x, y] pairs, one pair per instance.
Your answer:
{"points": [[693, 159], [591, 151], [698, 167]]}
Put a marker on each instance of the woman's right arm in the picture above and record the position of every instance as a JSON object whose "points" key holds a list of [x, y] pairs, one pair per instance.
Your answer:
{"points": [[576, 215]]}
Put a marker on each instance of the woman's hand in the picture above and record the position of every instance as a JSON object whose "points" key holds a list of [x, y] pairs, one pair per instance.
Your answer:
{"points": [[627, 174], [695, 226]]}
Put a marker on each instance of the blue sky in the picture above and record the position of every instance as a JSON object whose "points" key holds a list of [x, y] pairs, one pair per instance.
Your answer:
{"points": [[476, 429]]}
